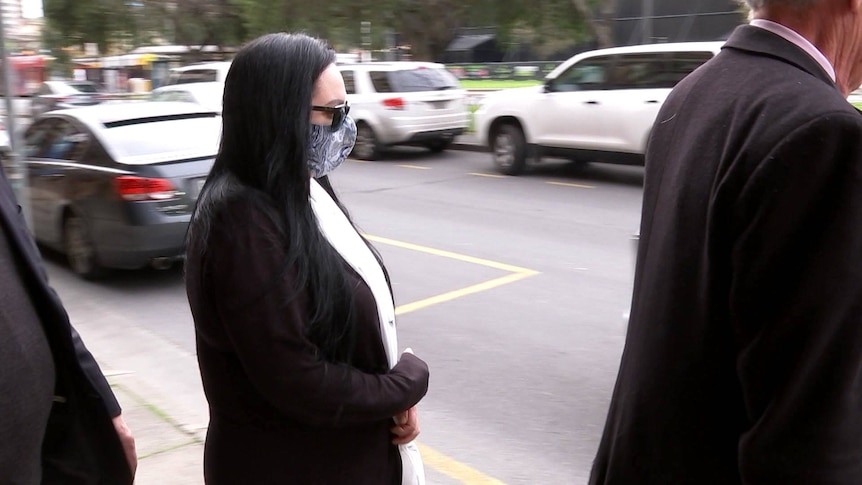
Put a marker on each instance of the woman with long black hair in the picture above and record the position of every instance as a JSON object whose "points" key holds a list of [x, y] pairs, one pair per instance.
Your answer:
{"points": [[293, 312]]}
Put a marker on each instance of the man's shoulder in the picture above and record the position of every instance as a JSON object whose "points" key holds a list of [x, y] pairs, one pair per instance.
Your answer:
{"points": [[762, 87]]}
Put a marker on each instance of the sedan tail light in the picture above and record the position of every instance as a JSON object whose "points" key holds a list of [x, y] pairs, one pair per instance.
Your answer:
{"points": [[394, 103], [141, 188]]}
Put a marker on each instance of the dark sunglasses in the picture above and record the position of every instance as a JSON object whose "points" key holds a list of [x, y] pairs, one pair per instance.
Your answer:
{"points": [[339, 113]]}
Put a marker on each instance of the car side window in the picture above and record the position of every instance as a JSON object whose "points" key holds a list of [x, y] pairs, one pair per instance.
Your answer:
{"points": [[197, 76], [36, 139], [380, 80], [638, 71], [66, 142], [44, 89], [681, 64], [660, 70], [349, 82], [588, 75]]}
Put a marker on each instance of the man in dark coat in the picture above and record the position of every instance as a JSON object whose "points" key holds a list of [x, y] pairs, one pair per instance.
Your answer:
{"points": [[743, 359], [59, 421]]}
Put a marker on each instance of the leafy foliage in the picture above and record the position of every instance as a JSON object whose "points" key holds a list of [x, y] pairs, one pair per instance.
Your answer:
{"points": [[427, 26]]}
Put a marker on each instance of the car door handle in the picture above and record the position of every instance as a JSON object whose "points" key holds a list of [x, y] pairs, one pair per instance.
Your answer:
{"points": [[652, 101], [591, 102]]}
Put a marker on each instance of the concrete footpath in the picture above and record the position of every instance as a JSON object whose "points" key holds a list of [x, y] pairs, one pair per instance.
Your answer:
{"points": [[167, 454], [158, 386]]}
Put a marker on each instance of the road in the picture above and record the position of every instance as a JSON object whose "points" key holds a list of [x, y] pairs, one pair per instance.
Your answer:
{"points": [[513, 290]]}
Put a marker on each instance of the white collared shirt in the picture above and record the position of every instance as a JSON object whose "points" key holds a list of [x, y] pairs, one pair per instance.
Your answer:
{"points": [[795, 38]]}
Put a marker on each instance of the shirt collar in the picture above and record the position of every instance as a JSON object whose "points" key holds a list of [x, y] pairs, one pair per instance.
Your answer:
{"points": [[795, 38]]}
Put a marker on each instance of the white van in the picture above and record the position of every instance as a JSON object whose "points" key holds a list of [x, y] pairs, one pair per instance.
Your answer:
{"points": [[597, 106]]}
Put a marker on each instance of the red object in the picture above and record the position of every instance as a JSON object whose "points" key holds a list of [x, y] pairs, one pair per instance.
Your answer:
{"points": [[394, 103], [23, 62], [140, 188]]}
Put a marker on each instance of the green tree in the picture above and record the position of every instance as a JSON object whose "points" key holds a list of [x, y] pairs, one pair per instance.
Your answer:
{"points": [[77, 21], [599, 19], [117, 25], [427, 26]]}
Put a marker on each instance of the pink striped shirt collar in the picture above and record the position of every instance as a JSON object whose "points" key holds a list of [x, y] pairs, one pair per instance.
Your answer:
{"points": [[795, 38]]}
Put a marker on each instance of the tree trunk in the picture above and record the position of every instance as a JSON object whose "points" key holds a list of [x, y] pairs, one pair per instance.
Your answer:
{"points": [[601, 22]]}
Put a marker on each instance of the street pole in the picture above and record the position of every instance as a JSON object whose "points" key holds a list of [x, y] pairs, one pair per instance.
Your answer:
{"points": [[18, 175], [365, 32], [647, 12]]}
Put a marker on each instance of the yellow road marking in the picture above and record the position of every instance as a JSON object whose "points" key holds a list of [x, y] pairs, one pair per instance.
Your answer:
{"points": [[489, 175], [454, 469], [448, 254], [452, 295], [578, 186], [433, 458], [416, 167]]}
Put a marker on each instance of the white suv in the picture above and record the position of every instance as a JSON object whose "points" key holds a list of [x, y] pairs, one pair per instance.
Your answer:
{"points": [[597, 106], [403, 103]]}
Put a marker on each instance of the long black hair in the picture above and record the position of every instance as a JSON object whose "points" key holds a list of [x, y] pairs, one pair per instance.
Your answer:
{"points": [[265, 133]]}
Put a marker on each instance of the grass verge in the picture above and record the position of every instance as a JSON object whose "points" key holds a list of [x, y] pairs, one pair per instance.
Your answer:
{"points": [[497, 84]]}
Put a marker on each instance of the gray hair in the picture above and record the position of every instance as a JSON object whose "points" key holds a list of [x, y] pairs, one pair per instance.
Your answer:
{"points": [[795, 4]]}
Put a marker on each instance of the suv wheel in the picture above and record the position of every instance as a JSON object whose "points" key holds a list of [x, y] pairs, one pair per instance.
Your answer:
{"points": [[80, 251], [367, 147], [509, 149]]}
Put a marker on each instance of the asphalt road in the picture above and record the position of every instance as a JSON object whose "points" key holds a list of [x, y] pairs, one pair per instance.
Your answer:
{"points": [[513, 289]]}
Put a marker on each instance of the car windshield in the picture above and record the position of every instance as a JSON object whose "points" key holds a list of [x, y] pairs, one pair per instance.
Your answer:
{"points": [[412, 80], [163, 140]]}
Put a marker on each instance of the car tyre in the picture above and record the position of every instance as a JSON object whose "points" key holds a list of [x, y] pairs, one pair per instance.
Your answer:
{"points": [[509, 149], [366, 147], [79, 249]]}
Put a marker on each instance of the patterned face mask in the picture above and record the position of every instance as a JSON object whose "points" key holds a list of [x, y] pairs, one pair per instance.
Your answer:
{"points": [[328, 149]]}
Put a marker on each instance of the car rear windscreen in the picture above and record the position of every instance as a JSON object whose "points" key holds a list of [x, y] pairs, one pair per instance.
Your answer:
{"points": [[413, 80], [159, 140]]}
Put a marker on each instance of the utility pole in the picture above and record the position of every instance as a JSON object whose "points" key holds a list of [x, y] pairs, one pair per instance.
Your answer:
{"points": [[647, 12], [365, 32], [18, 175]]}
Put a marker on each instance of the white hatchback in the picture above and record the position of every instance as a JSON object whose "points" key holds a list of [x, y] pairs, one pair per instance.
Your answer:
{"points": [[597, 106], [404, 103]]}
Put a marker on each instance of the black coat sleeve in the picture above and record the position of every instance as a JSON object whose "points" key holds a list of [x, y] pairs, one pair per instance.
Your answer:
{"points": [[796, 304], [94, 375]]}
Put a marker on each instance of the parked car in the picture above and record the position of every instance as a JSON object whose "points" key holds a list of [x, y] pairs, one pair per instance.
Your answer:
{"points": [[403, 103], [597, 106], [204, 72], [113, 186], [206, 94], [53, 95]]}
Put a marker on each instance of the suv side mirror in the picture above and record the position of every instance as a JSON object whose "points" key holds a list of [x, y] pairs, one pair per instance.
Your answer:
{"points": [[548, 87]]}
